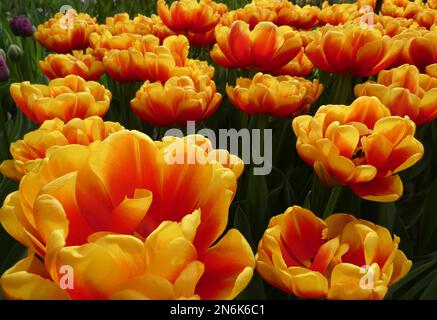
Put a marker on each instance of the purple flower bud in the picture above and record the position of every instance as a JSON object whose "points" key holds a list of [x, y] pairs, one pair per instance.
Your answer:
{"points": [[4, 71], [21, 26]]}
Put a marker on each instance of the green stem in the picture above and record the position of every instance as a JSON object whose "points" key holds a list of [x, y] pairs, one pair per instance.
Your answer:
{"points": [[343, 90], [285, 126], [333, 198], [244, 119]]}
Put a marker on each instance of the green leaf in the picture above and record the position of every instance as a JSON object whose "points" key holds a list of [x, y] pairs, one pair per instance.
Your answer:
{"points": [[257, 204], [430, 292]]}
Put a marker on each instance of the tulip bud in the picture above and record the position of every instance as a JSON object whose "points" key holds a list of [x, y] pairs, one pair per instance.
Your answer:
{"points": [[21, 26], [4, 71], [3, 54], [15, 53]]}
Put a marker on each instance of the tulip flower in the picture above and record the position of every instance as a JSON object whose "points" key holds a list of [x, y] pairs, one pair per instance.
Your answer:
{"points": [[295, 16], [405, 91], [361, 146], [195, 69], [15, 53], [300, 66], [188, 15], [418, 48], [121, 23], [66, 32], [103, 42], [251, 14], [21, 26], [338, 13], [147, 60], [400, 8], [205, 39], [4, 70], [159, 29], [432, 70], [279, 96], [176, 101], [117, 219], [340, 258], [29, 152], [394, 26], [352, 49], [427, 18], [63, 98], [362, 3], [61, 65], [432, 4], [265, 48]]}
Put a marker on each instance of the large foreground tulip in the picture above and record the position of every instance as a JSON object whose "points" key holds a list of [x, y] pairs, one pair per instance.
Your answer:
{"points": [[117, 210], [405, 91], [63, 98], [279, 96], [31, 150], [341, 258], [360, 145], [265, 48]]}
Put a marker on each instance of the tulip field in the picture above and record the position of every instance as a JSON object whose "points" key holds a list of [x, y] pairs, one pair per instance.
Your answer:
{"points": [[218, 150]]}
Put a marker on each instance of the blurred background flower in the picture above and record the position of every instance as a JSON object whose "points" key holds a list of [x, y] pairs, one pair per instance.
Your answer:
{"points": [[22, 26]]}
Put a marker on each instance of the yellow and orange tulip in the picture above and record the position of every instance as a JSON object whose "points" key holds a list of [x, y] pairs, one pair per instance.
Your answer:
{"points": [[178, 100], [432, 70], [265, 48], [340, 258], [121, 23], [189, 15], [300, 66], [147, 60], [85, 65], [401, 8], [63, 98], [31, 150], [427, 18], [338, 13], [352, 49], [361, 146], [251, 14], [66, 32], [104, 41], [83, 208], [279, 96], [159, 29], [295, 16], [418, 48], [405, 91]]}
